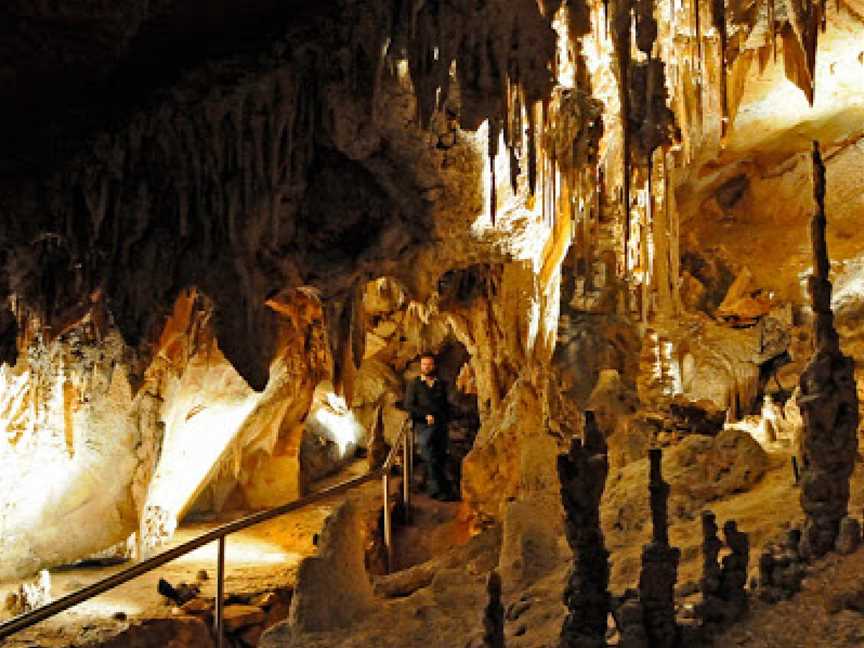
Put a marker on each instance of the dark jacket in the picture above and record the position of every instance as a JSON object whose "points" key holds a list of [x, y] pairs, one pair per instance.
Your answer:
{"points": [[421, 400]]}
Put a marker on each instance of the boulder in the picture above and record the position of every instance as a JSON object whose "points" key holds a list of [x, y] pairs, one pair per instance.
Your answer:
{"points": [[611, 400], [696, 417], [699, 469], [529, 546], [743, 304], [511, 441], [331, 435], [332, 588], [238, 617], [173, 632], [631, 440]]}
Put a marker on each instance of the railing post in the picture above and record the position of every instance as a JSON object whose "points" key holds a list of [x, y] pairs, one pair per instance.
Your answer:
{"points": [[388, 522], [406, 473], [219, 616]]}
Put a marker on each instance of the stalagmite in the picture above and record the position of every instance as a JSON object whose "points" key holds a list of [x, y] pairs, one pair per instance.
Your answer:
{"points": [[733, 577], [724, 598], [493, 616], [377, 445], [582, 472], [659, 565], [829, 400], [711, 574], [781, 569]]}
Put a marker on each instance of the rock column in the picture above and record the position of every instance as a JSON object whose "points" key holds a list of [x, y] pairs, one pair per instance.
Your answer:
{"points": [[733, 576], [493, 617], [710, 608], [829, 401], [659, 565], [723, 596], [582, 472]]}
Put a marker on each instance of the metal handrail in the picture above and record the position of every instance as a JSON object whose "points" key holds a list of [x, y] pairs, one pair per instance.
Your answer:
{"points": [[403, 442]]}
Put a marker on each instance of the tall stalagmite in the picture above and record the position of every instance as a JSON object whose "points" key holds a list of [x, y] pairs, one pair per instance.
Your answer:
{"points": [[582, 472], [829, 400], [659, 565]]}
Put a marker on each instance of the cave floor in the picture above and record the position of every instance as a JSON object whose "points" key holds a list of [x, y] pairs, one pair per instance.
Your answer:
{"points": [[266, 557], [259, 559], [448, 612]]}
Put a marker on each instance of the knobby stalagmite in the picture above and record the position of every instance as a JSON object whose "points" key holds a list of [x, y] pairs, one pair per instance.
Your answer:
{"points": [[724, 598], [582, 472], [829, 400], [659, 565]]}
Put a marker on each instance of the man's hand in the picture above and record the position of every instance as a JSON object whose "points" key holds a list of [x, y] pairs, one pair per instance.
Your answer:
{"points": [[430, 420]]}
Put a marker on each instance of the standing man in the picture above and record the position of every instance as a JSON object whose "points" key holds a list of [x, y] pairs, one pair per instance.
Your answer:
{"points": [[426, 402]]}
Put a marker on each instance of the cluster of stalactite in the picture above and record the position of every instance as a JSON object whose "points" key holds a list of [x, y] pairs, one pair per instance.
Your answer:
{"points": [[202, 188], [152, 207], [226, 169], [701, 54], [504, 69], [711, 47]]}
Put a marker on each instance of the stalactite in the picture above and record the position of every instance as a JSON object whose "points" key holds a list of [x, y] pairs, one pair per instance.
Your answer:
{"points": [[718, 18], [532, 150], [805, 17], [646, 26], [772, 28], [494, 134], [698, 21], [621, 41]]}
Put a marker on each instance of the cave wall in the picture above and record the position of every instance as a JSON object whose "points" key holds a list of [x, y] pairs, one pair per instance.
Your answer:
{"points": [[558, 202], [71, 451]]}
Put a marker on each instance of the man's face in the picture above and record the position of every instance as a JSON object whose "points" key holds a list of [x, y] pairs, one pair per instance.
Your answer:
{"points": [[427, 366]]}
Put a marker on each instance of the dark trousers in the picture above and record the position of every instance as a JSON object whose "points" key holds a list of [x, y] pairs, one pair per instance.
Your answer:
{"points": [[432, 441]]}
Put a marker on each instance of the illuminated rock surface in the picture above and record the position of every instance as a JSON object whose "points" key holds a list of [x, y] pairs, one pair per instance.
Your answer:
{"points": [[230, 230]]}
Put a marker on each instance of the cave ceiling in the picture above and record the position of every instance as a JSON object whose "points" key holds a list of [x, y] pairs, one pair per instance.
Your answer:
{"points": [[242, 147]]}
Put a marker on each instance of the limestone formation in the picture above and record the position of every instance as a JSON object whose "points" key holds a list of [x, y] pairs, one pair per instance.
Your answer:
{"points": [[848, 536], [659, 565], [781, 568], [828, 402], [31, 594], [724, 599], [733, 576], [493, 616], [225, 236], [332, 588], [711, 573], [582, 472], [629, 618]]}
